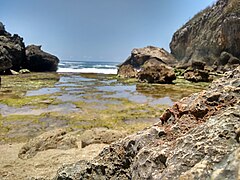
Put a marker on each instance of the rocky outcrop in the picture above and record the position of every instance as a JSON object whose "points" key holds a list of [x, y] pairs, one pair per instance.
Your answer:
{"points": [[197, 73], [12, 51], [55, 139], [149, 64], [13, 55], [154, 71], [198, 138], [210, 33], [40, 61]]}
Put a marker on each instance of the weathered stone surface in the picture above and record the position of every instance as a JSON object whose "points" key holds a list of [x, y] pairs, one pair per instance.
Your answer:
{"points": [[127, 71], [55, 139], [196, 75], [140, 56], [209, 33], [12, 51], [198, 138], [100, 136], [154, 71], [40, 61]]}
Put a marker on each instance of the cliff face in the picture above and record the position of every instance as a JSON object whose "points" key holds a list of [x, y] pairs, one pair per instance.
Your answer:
{"points": [[209, 33]]}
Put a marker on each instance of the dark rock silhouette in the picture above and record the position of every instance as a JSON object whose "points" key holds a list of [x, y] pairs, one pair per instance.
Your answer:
{"points": [[12, 51], [13, 55], [40, 61]]}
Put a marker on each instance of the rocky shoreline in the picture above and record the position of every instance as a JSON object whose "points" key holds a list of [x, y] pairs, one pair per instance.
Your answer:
{"points": [[197, 138], [16, 58], [98, 138]]}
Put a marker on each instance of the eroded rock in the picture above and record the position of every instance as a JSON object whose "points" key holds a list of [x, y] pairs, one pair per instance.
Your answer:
{"points": [[40, 61], [196, 138], [140, 56], [208, 34], [55, 139], [155, 72], [100, 136], [12, 51]]}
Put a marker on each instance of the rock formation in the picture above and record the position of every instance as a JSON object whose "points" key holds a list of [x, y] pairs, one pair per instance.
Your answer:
{"points": [[13, 55], [198, 138], [55, 139], [40, 61], [133, 66], [154, 71], [210, 33], [12, 51]]}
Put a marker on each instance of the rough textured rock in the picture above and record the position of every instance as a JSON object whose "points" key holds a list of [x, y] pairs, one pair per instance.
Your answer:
{"points": [[55, 139], [209, 33], [154, 71], [140, 56], [196, 75], [100, 136], [12, 51], [197, 138], [127, 71], [40, 61]]}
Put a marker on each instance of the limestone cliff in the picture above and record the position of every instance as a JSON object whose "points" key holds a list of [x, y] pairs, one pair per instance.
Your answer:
{"points": [[209, 33]]}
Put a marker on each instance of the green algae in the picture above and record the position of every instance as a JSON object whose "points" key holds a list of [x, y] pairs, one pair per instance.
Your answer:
{"points": [[93, 106]]}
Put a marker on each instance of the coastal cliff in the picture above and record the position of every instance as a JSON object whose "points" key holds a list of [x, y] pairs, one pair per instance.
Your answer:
{"points": [[209, 35]]}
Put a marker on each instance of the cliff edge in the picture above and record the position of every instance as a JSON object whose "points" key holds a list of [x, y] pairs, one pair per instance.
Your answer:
{"points": [[210, 35]]}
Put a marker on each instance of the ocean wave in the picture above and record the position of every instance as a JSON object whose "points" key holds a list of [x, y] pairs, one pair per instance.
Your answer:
{"points": [[104, 66], [88, 70]]}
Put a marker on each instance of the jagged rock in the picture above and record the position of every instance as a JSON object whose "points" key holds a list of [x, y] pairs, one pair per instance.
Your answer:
{"points": [[2, 28], [196, 75], [127, 71], [154, 71], [100, 136], [12, 51], [55, 139], [197, 138], [40, 61], [140, 56], [209, 33]]}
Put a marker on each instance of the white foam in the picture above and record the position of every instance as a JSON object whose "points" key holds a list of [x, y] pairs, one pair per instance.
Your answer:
{"points": [[88, 70]]}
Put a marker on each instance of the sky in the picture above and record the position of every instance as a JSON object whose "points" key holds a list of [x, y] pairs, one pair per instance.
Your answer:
{"points": [[97, 29]]}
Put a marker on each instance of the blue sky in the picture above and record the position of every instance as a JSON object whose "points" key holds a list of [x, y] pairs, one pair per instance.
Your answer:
{"points": [[97, 29]]}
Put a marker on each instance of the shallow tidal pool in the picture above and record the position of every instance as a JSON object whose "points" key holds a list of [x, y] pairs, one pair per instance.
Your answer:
{"points": [[33, 103]]}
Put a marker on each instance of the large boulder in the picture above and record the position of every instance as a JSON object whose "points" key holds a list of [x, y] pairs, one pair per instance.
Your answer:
{"points": [[197, 138], [140, 56], [12, 51], [40, 61], [154, 71], [208, 34]]}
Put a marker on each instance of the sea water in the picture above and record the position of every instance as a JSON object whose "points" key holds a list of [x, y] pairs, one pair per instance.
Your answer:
{"points": [[102, 67]]}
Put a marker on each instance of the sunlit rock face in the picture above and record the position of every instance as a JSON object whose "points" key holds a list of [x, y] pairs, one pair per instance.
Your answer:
{"points": [[209, 33]]}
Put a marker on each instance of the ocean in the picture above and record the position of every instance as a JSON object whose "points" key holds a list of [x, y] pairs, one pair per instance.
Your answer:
{"points": [[102, 67]]}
